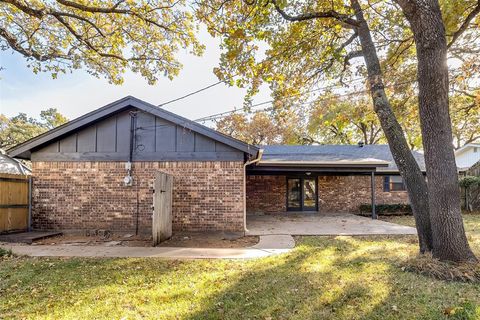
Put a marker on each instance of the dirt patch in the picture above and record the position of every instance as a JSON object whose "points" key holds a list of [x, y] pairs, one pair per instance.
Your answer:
{"points": [[182, 239], [114, 240], [208, 240]]}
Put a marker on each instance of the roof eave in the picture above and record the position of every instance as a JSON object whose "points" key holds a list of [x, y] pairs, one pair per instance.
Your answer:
{"points": [[23, 150], [344, 164]]}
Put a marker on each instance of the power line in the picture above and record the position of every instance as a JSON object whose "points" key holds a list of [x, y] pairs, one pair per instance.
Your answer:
{"points": [[233, 76], [192, 93], [224, 114], [237, 74], [284, 98]]}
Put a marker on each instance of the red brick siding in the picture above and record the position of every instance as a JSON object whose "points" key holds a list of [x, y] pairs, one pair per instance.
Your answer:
{"points": [[267, 194], [207, 196], [347, 193]]}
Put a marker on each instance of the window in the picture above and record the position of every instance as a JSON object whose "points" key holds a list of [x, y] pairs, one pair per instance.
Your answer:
{"points": [[393, 183], [475, 150]]}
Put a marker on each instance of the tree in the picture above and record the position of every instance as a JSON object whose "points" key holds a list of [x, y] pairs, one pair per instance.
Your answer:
{"points": [[20, 128], [315, 41], [449, 239], [258, 130], [344, 121], [281, 126], [105, 37]]}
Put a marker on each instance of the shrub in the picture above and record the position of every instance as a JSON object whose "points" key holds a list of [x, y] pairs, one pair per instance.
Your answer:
{"points": [[387, 209], [469, 181]]}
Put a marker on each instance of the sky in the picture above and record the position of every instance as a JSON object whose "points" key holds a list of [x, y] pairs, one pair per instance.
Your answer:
{"points": [[78, 93]]}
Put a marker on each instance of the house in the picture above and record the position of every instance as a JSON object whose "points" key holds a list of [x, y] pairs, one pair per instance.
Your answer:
{"points": [[12, 166], [467, 156], [324, 178], [97, 171]]}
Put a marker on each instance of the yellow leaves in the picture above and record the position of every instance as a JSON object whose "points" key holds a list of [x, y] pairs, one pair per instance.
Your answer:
{"points": [[238, 33], [144, 38]]}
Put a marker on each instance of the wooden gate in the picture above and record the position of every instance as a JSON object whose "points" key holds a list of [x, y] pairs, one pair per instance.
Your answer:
{"points": [[162, 207], [14, 199]]}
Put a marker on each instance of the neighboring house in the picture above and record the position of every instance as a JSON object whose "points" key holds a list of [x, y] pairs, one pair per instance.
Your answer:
{"points": [[12, 166], [467, 156], [79, 170]]}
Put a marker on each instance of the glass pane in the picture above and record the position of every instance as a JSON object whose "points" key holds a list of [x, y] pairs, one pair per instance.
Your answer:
{"points": [[309, 193], [398, 186], [397, 183], [294, 193], [397, 179]]}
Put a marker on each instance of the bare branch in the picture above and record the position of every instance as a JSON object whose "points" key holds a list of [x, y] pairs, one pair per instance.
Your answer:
{"points": [[351, 55], [15, 45], [113, 9], [465, 24], [348, 41], [317, 15]]}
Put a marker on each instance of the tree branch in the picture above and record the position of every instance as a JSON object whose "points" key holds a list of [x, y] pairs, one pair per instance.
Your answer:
{"points": [[351, 55], [92, 9], [317, 15], [464, 25], [15, 45]]}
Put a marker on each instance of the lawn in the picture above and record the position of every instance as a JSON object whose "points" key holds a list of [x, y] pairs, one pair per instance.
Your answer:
{"points": [[323, 278]]}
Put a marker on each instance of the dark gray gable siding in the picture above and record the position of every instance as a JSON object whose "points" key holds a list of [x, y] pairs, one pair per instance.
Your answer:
{"points": [[187, 130], [156, 139]]}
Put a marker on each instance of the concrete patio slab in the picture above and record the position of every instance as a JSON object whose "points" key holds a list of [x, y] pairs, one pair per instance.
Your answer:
{"points": [[322, 224]]}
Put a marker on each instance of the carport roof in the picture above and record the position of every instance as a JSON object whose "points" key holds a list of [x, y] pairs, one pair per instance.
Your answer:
{"points": [[378, 156]]}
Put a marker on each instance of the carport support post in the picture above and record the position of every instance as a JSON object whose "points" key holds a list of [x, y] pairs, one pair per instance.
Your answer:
{"points": [[374, 213]]}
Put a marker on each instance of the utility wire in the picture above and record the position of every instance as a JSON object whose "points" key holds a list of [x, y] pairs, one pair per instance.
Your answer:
{"points": [[237, 74], [370, 5], [284, 98], [224, 114]]}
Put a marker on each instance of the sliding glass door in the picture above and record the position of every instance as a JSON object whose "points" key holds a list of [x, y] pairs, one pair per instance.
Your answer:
{"points": [[302, 194], [294, 194]]}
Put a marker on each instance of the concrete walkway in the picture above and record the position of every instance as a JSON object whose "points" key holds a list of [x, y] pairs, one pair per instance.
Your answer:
{"points": [[267, 246], [322, 224], [275, 233]]}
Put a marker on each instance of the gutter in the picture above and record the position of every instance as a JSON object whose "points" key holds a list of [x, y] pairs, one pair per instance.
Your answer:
{"points": [[257, 159]]}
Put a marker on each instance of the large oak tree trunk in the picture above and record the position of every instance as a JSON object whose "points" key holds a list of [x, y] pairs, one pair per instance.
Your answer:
{"points": [[406, 163], [449, 240]]}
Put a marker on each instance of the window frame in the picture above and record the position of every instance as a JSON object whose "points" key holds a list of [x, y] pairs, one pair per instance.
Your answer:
{"points": [[388, 184]]}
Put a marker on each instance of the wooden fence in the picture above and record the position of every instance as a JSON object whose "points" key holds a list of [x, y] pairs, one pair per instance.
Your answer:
{"points": [[471, 195], [14, 202], [162, 207]]}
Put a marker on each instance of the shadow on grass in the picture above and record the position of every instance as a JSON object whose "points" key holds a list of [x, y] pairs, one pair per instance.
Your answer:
{"points": [[336, 278], [323, 278]]}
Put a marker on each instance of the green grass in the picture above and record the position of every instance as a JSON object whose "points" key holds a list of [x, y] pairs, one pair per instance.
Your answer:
{"points": [[323, 278]]}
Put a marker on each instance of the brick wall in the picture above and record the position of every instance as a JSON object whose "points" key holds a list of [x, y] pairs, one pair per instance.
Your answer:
{"points": [[207, 196], [267, 194], [347, 193]]}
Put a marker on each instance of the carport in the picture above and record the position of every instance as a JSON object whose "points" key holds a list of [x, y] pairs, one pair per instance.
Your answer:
{"points": [[298, 178]]}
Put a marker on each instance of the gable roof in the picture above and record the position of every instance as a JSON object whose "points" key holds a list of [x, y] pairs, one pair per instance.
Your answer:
{"points": [[378, 155], [23, 150], [12, 166], [467, 147]]}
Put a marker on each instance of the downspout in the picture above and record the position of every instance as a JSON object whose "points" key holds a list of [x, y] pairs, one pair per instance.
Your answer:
{"points": [[257, 159]]}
